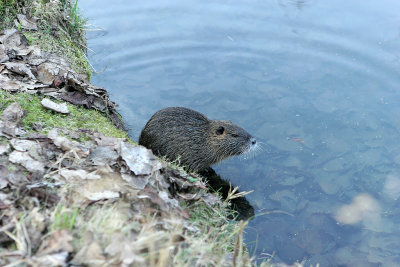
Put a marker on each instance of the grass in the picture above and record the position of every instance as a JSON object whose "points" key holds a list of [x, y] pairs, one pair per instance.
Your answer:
{"points": [[8, 12], [78, 118], [64, 218], [62, 35]]}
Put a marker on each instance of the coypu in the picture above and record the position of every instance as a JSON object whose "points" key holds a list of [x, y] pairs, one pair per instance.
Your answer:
{"points": [[189, 136]]}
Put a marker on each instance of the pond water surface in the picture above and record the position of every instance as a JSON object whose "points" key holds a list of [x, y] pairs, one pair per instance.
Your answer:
{"points": [[317, 82]]}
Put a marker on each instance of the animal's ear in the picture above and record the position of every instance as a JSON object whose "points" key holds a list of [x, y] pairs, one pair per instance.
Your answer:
{"points": [[220, 130]]}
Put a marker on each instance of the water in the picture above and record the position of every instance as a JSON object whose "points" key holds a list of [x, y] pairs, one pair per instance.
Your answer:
{"points": [[315, 81]]}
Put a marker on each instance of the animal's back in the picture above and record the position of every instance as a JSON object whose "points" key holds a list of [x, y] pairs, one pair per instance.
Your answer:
{"points": [[189, 136]]}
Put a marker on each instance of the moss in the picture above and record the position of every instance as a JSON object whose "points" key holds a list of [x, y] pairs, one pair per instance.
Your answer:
{"points": [[78, 118], [61, 29], [8, 11]]}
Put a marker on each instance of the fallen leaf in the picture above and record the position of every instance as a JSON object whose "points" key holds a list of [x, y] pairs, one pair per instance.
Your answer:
{"points": [[25, 23], [136, 182], [23, 158], [96, 196], [125, 251], [47, 72], [10, 119], [21, 144], [211, 199], [37, 219], [65, 144], [4, 148], [111, 142], [13, 38], [61, 108], [55, 259], [20, 68], [152, 195], [103, 156], [139, 159], [9, 84], [3, 176], [189, 196], [78, 174], [59, 241], [91, 253], [3, 56]]}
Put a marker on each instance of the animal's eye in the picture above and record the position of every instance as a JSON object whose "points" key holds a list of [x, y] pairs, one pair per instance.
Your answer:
{"points": [[220, 130]]}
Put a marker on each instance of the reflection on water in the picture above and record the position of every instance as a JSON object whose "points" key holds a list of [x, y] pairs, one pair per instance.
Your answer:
{"points": [[316, 81]]}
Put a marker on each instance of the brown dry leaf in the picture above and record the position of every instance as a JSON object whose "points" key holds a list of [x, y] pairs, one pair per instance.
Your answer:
{"points": [[136, 182], [13, 39], [37, 219], [17, 178], [3, 56], [65, 144], [8, 84], [109, 186], [139, 159], [47, 72], [55, 259], [188, 196], [59, 241], [182, 180], [91, 253], [3, 176], [20, 68], [5, 199], [4, 148], [61, 108], [164, 195], [153, 196], [13, 113], [22, 144], [78, 174], [25, 23], [123, 251], [103, 155], [107, 141], [10, 119], [24, 159], [114, 248]]}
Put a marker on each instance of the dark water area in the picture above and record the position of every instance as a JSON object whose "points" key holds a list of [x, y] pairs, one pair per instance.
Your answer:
{"points": [[317, 82]]}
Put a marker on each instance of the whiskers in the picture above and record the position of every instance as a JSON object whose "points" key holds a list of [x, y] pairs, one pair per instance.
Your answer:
{"points": [[252, 150]]}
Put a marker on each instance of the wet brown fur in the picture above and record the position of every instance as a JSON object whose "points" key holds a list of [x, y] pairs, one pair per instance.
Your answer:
{"points": [[187, 135]]}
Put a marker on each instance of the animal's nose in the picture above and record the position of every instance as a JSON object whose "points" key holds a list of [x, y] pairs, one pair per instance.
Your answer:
{"points": [[253, 141]]}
